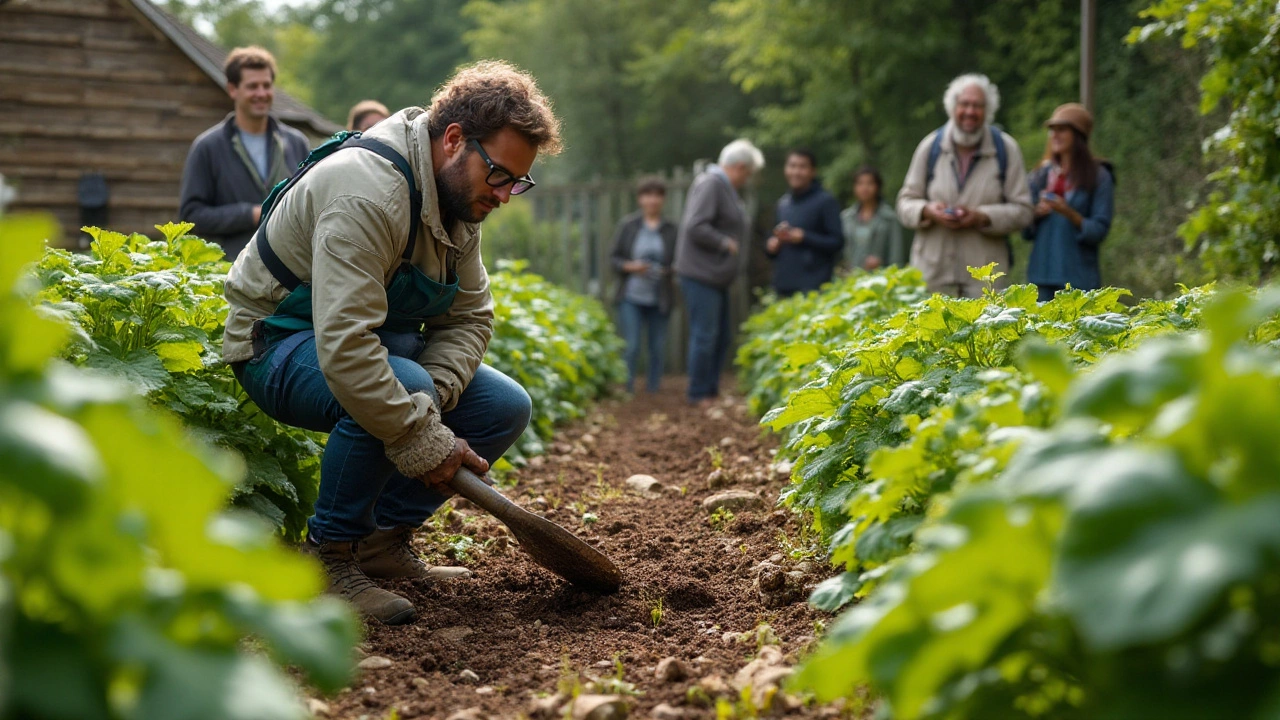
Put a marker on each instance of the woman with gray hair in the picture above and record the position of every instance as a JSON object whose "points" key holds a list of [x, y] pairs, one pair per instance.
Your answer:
{"points": [[965, 192], [711, 235]]}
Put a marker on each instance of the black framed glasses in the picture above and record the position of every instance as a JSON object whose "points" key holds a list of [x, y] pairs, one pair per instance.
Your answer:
{"points": [[499, 176]]}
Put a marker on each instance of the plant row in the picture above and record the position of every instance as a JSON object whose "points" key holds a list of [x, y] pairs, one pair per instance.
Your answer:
{"points": [[1061, 509], [127, 588], [151, 312]]}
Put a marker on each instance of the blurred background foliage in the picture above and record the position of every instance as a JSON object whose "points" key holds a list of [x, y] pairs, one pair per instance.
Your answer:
{"points": [[646, 85]]}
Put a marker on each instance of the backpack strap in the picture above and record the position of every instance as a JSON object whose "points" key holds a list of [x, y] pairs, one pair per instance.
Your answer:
{"points": [[935, 151], [1002, 156], [275, 265]]}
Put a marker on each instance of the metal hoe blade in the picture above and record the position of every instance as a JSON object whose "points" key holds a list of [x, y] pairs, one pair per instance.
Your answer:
{"points": [[550, 545]]}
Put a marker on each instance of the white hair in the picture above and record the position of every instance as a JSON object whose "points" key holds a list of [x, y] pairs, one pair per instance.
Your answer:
{"points": [[988, 88], [742, 152]]}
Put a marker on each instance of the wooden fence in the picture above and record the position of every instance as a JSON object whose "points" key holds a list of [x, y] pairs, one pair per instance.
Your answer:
{"points": [[586, 216]]}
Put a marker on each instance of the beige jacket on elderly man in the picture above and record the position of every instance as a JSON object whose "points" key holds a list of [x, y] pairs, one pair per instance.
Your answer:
{"points": [[343, 231], [942, 254]]}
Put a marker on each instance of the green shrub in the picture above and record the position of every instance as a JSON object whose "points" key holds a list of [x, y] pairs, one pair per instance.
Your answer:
{"points": [[561, 346], [126, 590], [1126, 562]]}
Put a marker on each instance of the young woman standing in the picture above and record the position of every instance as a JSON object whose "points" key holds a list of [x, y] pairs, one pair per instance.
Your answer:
{"points": [[873, 236], [1073, 196]]}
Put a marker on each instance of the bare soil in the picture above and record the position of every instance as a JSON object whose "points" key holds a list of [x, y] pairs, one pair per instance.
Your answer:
{"points": [[692, 586]]}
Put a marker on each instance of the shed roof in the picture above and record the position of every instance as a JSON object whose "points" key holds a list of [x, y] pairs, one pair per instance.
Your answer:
{"points": [[210, 58]]}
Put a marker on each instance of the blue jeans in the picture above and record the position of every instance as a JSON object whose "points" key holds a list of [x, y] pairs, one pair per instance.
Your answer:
{"points": [[634, 320], [709, 336], [360, 489]]}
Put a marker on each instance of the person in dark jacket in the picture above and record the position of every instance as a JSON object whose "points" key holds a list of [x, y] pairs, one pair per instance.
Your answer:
{"points": [[233, 165], [1073, 196], [711, 234], [644, 249], [806, 243]]}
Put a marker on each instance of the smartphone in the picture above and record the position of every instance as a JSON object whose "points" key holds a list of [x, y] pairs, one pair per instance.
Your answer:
{"points": [[949, 211], [1050, 196]]}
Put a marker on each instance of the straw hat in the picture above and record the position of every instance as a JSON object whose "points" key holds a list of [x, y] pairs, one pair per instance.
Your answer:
{"points": [[1072, 115]]}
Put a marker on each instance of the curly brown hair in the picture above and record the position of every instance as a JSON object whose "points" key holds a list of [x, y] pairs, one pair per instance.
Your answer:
{"points": [[490, 95], [248, 58]]}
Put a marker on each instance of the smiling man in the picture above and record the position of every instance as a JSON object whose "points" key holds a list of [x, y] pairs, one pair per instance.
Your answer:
{"points": [[965, 192], [362, 309], [233, 165]]}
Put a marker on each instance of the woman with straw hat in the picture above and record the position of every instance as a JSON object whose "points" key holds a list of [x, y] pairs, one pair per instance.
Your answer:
{"points": [[1073, 196]]}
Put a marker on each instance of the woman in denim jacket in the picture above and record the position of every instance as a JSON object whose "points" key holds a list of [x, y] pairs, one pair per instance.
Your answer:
{"points": [[1073, 194]]}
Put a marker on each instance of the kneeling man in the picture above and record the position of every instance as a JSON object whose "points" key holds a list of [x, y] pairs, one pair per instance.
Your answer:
{"points": [[362, 309]]}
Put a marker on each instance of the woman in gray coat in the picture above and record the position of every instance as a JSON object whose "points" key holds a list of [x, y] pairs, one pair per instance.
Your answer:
{"points": [[873, 237]]}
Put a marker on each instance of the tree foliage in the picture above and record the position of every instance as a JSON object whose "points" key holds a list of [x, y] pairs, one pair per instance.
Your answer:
{"points": [[1237, 228]]}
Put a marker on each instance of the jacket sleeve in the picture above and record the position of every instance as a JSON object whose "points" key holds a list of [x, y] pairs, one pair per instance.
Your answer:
{"points": [[777, 219], [830, 239], [457, 340], [1095, 227], [1034, 180], [197, 198], [620, 256], [701, 215], [1015, 213], [349, 301], [899, 253], [911, 198]]}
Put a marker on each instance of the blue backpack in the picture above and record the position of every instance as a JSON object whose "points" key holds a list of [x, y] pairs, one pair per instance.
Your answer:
{"points": [[1002, 162]]}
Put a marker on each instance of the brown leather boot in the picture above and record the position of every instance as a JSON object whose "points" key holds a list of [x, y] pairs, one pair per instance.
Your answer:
{"points": [[348, 582], [389, 554]]}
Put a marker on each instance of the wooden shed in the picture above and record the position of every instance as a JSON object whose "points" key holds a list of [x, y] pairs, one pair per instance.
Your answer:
{"points": [[107, 95]]}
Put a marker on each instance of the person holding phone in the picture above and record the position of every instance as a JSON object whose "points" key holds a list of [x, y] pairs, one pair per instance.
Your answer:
{"points": [[1073, 197]]}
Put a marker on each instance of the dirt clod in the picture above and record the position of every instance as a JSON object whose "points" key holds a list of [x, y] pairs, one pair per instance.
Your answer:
{"points": [[733, 501], [671, 670], [374, 662]]}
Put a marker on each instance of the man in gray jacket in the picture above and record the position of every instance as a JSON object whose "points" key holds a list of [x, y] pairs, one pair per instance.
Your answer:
{"points": [[712, 234], [233, 165]]}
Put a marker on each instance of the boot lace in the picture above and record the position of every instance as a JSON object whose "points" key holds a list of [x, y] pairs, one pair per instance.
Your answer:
{"points": [[347, 577], [403, 547]]}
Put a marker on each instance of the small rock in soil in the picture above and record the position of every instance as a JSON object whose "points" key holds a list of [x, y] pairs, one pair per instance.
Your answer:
{"points": [[743, 460], [471, 713], [782, 469], [374, 662], [537, 462], [715, 686], [733, 500], [598, 707], [717, 478], [421, 683], [671, 670], [452, 635], [727, 440], [468, 676], [484, 690], [663, 711], [317, 707], [644, 484], [547, 707]]}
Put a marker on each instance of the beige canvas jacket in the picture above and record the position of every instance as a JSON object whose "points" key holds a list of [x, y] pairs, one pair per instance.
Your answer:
{"points": [[944, 255], [342, 229]]}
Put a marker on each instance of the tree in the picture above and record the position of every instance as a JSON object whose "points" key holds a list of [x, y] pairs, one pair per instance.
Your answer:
{"points": [[1236, 230]]}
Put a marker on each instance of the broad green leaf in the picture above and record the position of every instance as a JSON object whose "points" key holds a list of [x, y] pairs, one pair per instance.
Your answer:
{"points": [[833, 593]]}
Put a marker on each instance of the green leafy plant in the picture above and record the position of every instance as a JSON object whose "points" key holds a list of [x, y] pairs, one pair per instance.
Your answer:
{"points": [[720, 519], [559, 345], [656, 612], [128, 591], [1125, 563], [151, 313]]}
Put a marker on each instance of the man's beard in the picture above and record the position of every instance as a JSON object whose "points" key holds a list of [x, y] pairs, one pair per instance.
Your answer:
{"points": [[452, 193], [966, 139]]}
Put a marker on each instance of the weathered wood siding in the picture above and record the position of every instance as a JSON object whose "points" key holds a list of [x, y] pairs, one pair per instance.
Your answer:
{"points": [[91, 86]]}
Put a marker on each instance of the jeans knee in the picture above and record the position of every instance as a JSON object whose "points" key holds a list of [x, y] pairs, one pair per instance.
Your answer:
{"points": [[519, 410]]}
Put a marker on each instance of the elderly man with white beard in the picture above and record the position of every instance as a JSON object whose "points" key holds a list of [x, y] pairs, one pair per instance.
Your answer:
{"points": [[965, 192]]}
